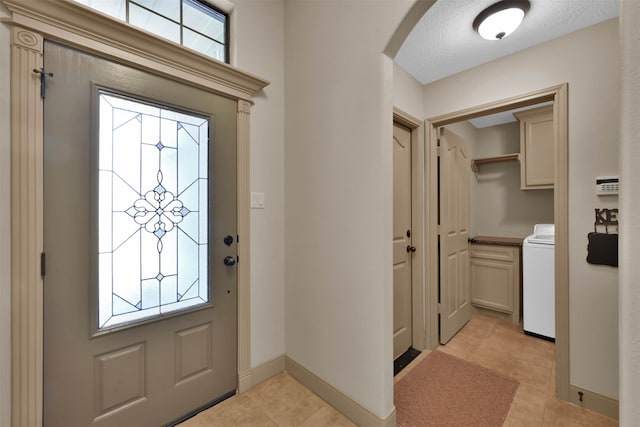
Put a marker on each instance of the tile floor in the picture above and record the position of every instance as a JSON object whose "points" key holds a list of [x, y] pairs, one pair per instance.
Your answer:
{"points": [[280, 401], [490, 342], [503, 347]]}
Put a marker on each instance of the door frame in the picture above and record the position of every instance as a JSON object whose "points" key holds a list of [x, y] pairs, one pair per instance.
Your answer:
{"points": [[559, 95], [417, 225], [77, 26]]}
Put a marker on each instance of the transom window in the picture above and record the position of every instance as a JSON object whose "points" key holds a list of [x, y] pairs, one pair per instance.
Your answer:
{"points": [[192, 23]]}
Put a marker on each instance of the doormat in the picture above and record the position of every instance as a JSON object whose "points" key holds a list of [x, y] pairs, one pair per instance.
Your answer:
{"points": [[404, 359], [443, 390]]}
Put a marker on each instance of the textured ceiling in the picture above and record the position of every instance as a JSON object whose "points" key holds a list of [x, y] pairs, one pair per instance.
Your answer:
{"points": [[443, 42]]}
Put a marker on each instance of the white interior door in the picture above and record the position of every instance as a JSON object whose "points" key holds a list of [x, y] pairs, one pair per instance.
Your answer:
{"points": [[455, 291], [140, 285], [402, 248]]}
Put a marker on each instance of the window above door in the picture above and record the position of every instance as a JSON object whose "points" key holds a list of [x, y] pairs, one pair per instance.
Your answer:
{"points": [[194, 24]]}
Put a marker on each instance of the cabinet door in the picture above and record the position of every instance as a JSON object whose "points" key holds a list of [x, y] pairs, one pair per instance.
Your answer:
{"points": [[492, 284], [536, 148]]}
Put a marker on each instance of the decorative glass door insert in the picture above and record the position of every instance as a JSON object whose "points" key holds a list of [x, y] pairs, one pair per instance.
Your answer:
{"points": [[152, 210]]}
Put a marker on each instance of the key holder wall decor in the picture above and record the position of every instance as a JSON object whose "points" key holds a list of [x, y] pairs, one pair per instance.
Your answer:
{"points": [[603, 246]]}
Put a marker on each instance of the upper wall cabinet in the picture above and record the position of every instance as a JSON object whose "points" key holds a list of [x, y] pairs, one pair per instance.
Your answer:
{"points": [[536, 148]]}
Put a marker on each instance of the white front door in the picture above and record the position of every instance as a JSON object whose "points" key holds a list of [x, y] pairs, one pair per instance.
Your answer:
{"points": [[455, 287], [402, 247], [140, 242]]}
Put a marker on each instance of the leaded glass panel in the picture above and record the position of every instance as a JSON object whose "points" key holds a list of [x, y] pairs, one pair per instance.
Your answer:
{"points": [[152, 210]]}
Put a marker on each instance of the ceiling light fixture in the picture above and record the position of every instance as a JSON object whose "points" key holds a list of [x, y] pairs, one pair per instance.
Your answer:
{"points": [[500, 19]]}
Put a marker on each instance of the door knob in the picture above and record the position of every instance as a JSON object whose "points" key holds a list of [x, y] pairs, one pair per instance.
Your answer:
{"points": [[228, 240], [411, 248], [229, 261]]}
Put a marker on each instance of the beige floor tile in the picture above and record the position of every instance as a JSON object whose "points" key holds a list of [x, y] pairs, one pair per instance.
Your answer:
{"points": [[327, 416], [285, 400], [516, 418], [502, 347], [529, 403], [240, 410], [463, 347]]}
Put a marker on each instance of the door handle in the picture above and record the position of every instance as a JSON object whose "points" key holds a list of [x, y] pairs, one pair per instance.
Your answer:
{"points": [[229, 261], [411, 248]]}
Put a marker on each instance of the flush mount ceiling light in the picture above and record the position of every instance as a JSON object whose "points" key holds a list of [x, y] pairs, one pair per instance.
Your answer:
{"points": [[500, 19]]}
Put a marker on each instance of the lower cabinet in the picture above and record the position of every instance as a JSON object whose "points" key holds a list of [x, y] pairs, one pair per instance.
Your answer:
{"points": [[495, 279]]}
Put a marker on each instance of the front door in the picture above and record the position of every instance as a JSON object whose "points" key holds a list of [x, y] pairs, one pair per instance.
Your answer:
{"points": [[140, 243], [455, 291], [402, 248]]}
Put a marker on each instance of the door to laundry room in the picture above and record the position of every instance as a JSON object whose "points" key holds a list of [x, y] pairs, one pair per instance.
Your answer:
{"points": [[140, 290], [455, 168]]}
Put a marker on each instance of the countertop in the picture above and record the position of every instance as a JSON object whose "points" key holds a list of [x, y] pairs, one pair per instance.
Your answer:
{"points": [[501, 241]]}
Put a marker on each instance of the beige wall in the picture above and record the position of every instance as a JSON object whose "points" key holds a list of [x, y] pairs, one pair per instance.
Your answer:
{"points": [[338, 186], [5, 224], [407, 92], [259, 49], [588, 61], [630, 223], [498, 206]]}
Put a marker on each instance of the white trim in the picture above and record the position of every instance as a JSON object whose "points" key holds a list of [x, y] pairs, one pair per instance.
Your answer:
{"points": [[70, 23], [26, 229], [351, 409], [267, 370], [243, 191]]}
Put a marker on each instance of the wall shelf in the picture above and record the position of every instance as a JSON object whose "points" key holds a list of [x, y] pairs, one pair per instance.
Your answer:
{"points": [[475, 163]]}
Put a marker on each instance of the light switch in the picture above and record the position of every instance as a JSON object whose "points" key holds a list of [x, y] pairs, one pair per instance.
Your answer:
{"points": [[257, 200]]}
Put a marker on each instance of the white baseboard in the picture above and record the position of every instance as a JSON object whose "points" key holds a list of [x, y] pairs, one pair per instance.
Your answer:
{"points": [[262, 372], [594, 402], [343, 403]]}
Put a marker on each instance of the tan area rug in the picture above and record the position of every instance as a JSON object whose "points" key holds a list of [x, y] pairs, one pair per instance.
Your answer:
{"points": [[443, 390]]}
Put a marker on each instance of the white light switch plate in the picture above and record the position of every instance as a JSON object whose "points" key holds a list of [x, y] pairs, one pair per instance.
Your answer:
{"points": [[257, 200]]}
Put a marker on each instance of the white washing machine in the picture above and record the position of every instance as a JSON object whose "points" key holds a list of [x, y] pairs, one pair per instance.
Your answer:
{"points": [[538, 287]]}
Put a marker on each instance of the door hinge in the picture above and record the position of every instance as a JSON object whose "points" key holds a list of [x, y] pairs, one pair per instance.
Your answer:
{"points": [[439, 151], [42, 264], [439, 309], [438, 229], [43, 77]]}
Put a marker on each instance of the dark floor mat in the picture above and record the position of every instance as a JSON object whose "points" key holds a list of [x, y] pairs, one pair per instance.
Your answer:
{"points": [[404, 359]]}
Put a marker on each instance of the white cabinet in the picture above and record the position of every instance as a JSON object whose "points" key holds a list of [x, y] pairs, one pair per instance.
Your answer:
{"points": [[536, 148], [495, 279]]}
